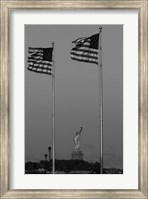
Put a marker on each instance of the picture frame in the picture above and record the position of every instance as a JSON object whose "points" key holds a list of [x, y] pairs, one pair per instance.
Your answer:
{"points": [[142, 7]]}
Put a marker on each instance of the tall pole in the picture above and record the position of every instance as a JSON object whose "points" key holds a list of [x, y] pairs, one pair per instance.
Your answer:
{"points": [[53, 112], [49, 150], [101, 100]]}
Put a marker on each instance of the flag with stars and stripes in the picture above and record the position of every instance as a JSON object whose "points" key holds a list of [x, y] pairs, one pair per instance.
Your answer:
{"points": [[40, 60], [86, 49]]}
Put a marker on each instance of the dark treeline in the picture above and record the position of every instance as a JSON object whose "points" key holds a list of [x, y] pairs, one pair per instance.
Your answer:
{"points": [[67, 167]]}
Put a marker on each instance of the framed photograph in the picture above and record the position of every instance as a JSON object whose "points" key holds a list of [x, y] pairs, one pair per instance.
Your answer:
{"points": [[74, 99]]}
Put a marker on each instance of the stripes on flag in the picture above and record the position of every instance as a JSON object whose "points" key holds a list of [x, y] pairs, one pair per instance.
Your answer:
{"points": [[40, 60], [86, 49]]}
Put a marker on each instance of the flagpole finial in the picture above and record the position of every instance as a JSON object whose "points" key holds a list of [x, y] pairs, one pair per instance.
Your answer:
{"points": [[100, 28], [52, 44]]}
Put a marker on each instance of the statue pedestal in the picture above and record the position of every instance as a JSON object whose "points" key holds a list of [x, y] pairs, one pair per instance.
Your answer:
{"points": [[77, 155]]}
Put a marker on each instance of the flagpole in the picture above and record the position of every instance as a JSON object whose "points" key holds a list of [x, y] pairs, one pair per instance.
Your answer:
{"points": [[101, 100], [53, 112]]}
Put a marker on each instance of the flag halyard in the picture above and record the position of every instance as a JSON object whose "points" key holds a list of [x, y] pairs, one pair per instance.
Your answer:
{"points": [[40, 60], [86, 49]]}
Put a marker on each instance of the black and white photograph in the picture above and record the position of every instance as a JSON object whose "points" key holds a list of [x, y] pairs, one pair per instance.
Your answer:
{"points": [[73, 99]]}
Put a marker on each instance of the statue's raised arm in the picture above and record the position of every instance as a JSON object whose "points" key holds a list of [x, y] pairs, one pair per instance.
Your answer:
{"points": [[80, 129]]}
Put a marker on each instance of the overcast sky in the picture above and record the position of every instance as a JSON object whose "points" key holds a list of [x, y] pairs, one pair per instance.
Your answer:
{"points": [[76, 95]]}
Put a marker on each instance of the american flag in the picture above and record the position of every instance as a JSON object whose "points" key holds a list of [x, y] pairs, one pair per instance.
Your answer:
{"points": [[86, 49], [40, 60]]}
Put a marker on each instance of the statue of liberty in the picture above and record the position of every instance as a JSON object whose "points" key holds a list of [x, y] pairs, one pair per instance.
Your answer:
{"points": [[77, 139]]}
